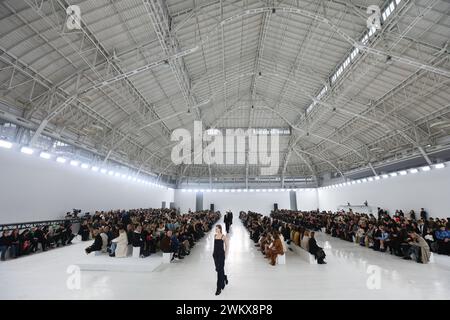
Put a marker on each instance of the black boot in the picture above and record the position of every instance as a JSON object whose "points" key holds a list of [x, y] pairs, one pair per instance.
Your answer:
{"points": [[218, 291], [226, 280]]}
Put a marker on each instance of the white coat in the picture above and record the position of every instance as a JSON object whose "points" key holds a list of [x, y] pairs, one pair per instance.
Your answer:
{"points": [[122, 245]]}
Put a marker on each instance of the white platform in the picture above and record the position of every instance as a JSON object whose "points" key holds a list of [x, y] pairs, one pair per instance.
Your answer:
{"points": [[345, 276], [129, 264], [305, 255]]}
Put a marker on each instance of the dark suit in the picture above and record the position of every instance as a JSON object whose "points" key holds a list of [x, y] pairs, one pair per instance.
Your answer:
{"points": [[97, 246]]}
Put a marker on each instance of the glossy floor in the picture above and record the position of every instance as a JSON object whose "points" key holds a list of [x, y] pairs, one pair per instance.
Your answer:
{"points": [[352, 272]]}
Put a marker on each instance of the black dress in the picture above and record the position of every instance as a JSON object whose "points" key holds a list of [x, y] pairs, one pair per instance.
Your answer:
{"points": [[219, 261]]}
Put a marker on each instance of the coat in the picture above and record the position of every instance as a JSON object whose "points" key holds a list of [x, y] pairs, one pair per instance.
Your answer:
{"points": [[284, 243], [297, 238], [104, 242], [122, 245], [305, 243], [424, 249]]}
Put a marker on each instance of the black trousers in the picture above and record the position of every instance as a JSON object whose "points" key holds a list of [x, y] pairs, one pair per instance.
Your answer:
{"points": [[220, 268]]}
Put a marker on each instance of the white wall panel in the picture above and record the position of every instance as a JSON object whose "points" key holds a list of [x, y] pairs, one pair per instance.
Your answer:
{"points": [[430, 190], [307, 199], [261, 202], [33, 189], [185, 201]]}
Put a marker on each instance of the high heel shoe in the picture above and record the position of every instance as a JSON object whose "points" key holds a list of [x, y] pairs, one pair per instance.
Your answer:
{"points": [[218, 291], [226, 280]]}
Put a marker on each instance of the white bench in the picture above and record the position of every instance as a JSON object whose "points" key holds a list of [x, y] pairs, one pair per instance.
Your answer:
{"points": [[281, 259], [167, 257], [305, 255], [136, 252]]}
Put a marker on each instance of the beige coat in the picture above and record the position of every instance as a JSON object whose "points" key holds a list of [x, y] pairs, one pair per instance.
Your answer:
{"points": [[424, 249], [122, 245], [104, 242], [305, 243]]}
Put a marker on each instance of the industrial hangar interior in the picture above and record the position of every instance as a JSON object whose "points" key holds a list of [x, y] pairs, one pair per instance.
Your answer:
{"points": [[254, 149]]}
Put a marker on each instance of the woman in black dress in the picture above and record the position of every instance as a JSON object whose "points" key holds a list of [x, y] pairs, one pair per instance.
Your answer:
{"points": [[220, 246]]}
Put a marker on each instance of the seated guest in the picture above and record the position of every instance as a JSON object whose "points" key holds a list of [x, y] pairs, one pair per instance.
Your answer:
{"points": [[138, 240], [39, 237], [68, 234], [24, 242], [15, 243], [104, 240], [443, 240], [5, 243], [305, 241], [297, 237], [98, 242], [175, 247], [317, 251], [119, 245], [84, 231], [164, 244], [275, 249], [419, 248], [382, 238]]}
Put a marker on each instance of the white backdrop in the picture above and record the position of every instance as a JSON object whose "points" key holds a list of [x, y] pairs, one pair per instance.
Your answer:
{"points": [[261, 202], [307, 199], [33, 189]]}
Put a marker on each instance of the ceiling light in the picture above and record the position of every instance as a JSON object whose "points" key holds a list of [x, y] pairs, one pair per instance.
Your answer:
{"points": [[84, 166], [439, 166], [377, 178], [403, 173], [117, 174], [95, 169], [393, 174], [74, 163], [45, 155], [370, 179], [426, 168], [124, 176], [26, 150], [385, 176], [111, 173], [413, 170], [103, 171], [61, 160], [5, 144]]}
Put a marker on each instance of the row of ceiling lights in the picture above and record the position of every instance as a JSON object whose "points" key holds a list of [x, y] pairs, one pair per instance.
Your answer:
{"points": [[245, 190], [76, 163], [386, 176]]}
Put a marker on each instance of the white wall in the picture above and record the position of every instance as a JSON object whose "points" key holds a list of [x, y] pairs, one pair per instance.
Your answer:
{"points": [[33, 189], [307, 199], [429, 190], [185, 201], [261, 202]]}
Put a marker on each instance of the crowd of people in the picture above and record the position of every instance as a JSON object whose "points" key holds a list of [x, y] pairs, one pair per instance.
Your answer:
{"points": [[113, 232], [151, 230], [24, 242], [271, 236], [409, 237]]}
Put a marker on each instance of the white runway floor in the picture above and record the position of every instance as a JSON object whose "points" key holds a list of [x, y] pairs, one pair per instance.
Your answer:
{"points": [[44, 275]]}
